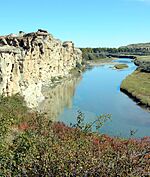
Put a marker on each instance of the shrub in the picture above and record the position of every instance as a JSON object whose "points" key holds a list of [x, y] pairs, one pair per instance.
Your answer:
{"points": [[39, 147]]}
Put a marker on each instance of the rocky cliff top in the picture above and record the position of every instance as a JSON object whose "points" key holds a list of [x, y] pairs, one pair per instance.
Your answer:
{"points": [[29, 61], [12, 43]]}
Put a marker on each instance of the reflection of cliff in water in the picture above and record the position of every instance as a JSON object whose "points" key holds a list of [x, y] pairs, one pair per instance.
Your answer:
{"points": [[58, 97]]}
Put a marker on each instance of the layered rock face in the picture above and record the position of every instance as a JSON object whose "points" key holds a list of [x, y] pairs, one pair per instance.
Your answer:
{"points": [[29, 61]]}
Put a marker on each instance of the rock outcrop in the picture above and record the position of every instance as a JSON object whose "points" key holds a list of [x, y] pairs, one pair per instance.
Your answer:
{"points": [[29, 61]]}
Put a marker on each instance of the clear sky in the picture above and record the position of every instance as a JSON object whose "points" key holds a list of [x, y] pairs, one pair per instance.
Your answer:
{"points": [[89, 23]]}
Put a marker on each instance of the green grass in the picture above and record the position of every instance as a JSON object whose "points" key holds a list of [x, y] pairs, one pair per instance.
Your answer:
{"points": [[144, 58], [138, 85], [121, 66]]}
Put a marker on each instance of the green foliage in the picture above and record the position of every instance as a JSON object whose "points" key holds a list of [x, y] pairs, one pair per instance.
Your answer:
{"points": [[87, 127], [39, 147], [98, 53], [12, 111]]}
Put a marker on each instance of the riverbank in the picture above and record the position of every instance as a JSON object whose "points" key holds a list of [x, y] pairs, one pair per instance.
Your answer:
{"points": [[97, 91], [31, 145], [100, 61], [143, 62], [137, 86]]}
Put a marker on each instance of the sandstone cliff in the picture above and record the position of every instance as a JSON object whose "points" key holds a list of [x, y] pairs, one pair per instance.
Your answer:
{"points": [[29, 61]]}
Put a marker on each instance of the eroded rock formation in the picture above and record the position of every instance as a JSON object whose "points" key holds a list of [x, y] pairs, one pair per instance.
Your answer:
{"points": [[29, 61]]}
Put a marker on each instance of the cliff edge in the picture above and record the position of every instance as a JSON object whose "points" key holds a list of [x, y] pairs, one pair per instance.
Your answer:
{"points": [[29, 61]]}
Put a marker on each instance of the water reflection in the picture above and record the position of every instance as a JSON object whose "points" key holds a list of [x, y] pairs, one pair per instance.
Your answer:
{"points": [[99, 93], [58, 97]]}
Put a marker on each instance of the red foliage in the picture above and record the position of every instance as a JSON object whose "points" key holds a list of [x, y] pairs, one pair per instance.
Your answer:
{"points": [[61, 130], [23, 126], [147, 156], [146, 139], [95, 141]]}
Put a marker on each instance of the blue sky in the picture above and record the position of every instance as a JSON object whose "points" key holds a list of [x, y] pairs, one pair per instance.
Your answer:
{"points": [[89, 23]]}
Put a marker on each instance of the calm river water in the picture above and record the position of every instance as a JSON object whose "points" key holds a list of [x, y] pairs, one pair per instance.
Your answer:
{"points": [[98, 92]]}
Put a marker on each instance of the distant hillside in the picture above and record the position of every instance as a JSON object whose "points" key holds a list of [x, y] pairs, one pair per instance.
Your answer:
{"points": [[138, 46], [138, 49], [141, 49]]}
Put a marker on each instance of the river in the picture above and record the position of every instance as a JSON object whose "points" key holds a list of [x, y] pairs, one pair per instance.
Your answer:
{"points": [[97, 92]]}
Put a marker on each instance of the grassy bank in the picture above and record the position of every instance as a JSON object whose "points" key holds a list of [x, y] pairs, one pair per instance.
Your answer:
{"points": [[137, 85], [31, 145], [144, 58], [99, 61], [121, 66]]}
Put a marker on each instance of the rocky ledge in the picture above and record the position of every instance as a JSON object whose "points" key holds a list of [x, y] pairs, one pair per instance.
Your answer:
{"points": [[29, 61]]}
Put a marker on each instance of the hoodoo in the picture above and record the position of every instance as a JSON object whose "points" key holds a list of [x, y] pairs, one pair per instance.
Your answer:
{"points": [[29, 61]]}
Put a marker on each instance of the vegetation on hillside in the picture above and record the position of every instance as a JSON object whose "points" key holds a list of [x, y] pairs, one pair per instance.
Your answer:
{"points": [[98, 53], [138, 86], [133, 50], [139, 45], [31, 145]]}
